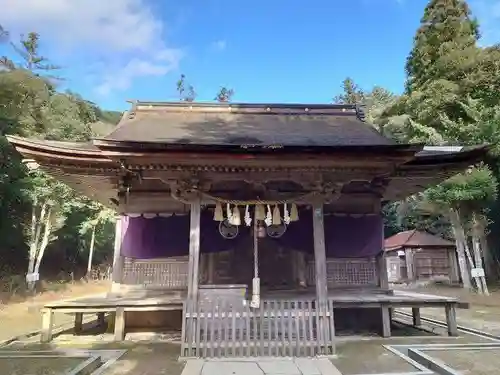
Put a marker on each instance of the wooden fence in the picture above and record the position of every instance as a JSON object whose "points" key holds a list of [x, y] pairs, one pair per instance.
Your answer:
{"points": [[279, 328]]}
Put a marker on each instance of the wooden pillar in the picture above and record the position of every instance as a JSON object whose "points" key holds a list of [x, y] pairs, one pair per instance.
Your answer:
{"points": [[451, 319], [383, 283], [386, 321], [454, 271], [321, 276], [383, 278], [47, 325], [320, 255], [415, 312], [410, 268], [120, 324], [78, 323], [118, 259], [194, 252]]}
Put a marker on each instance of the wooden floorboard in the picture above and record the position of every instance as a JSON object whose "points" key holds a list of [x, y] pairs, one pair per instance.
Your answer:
{"points": [[129, 299], [339, 298]]}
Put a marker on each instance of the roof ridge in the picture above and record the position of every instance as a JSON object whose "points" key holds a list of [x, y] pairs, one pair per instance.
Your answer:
{"points": [[207, 104], [413, 232]]}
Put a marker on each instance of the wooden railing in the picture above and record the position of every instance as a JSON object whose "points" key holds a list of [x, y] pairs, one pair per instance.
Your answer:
{"points": [[279, 328]]}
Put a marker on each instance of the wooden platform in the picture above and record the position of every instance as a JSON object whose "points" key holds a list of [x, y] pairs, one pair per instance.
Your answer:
{"points": [[118, 304], [347, 298], [114, 303]]}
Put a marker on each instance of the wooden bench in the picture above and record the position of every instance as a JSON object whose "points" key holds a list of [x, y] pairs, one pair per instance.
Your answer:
{"points": [[111, 304]]}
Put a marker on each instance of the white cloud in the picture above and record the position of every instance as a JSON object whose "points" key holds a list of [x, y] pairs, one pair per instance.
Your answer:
{"points": [[488, 14], [121, 79], [219, 45], [123, 37]]}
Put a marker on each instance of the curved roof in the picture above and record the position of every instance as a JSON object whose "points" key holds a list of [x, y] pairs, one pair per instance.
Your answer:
{"points": [[173, 134]]}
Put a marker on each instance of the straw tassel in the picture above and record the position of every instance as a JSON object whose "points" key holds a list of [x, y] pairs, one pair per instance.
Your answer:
{"points": [[218, 214], [269, 217], [260, 212], [294, 213], [276, 215], [236, 216], [248, 218]]}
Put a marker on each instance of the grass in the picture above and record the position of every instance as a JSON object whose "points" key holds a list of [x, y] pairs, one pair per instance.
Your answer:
{"points": [[21, 315], [13, 288]]}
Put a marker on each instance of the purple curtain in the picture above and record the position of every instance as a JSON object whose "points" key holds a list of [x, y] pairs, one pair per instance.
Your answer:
{"points": [[161, 237], [345, 236]]}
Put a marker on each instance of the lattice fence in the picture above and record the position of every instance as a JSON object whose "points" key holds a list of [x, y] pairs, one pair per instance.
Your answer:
{"points": [[342, 272], [172, 273], [169, 273]]}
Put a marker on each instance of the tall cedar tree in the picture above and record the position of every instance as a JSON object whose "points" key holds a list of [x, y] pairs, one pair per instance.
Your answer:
{"points": [[351, 93], [447, 25]]}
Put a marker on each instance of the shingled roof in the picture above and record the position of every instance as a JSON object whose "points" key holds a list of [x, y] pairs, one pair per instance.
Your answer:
{"points": [[222, 124], [415, 239]]}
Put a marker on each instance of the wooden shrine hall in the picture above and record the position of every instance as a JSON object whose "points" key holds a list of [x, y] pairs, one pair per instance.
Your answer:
{"points": [[260, 222]]}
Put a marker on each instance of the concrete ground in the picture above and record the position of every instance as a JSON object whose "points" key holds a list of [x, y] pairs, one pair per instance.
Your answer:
{"points": [[261, 366], [355, 356]]}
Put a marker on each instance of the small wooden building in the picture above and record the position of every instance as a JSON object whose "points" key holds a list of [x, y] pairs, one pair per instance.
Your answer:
{"points": [[260, 222], [420, 256]]}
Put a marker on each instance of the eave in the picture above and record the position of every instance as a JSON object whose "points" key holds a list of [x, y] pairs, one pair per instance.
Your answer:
{"points": [[95, 169]]}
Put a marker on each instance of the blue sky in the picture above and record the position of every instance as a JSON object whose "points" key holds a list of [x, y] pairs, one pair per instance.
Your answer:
{"points": [[267, 51]]}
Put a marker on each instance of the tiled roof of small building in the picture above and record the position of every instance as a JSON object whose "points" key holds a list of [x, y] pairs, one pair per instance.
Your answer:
{"points": [[414, 238]]}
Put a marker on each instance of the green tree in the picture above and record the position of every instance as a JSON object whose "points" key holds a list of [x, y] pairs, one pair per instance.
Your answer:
{"points": [[224, 95], [28, 50], [447, 29], [464, 199], [351, 93], [100, 217], [451, 98], [185, 90], [39, 215], [50, 201]]}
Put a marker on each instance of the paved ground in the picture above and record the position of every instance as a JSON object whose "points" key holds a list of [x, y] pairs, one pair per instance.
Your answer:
{"points": [[262, 366]]}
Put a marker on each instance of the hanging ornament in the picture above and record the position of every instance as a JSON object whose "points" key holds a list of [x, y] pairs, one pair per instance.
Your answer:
{"points": [[218, 214], [227, 230], [248, 218], [286, 214], [229, 214], [260, 212], [269, 216], [294, 213], [236, 216], [276, 231], [276, 215]]}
